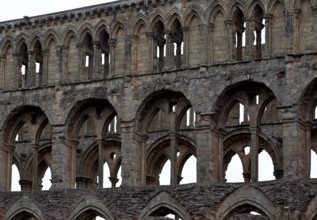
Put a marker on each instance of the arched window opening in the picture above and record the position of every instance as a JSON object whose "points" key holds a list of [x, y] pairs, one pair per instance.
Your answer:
{"points": [[113, 126], [270, 113], [234, 172], [165, 175], [160, 46], [106, 176], [105, 52], [257, 99], [38, 59], [313, 164], [266, 167], [23, 69], [315, 113], [24, 65], [190, 118], [88, 53], [15, 178], [46, 180], [163, 213], [241, 113], [90, 215], [246, 212], [239, 22], [237, 115], [24, 216], [189, 171], [119, 178]]}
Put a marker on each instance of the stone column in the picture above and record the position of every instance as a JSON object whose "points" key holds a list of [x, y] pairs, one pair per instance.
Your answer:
{"points": [[173, 150], [268, 35], [254, 153], [6, 166], [43, 75], [144, 138], [35, 179], [151, 50], [294, 145], [127, 55], [258, 47], [112, 44], [81, 63], [63, 159], [296, 33], [308, 129], [168, 63], [134, 54], [211, 43], [2, 72], [314, 13], [230, 37], [100, 162], [130, 152], [96, 71], [30, 75], [185, 47], [64, 64], [208, 152], [59, 56], [17, 72], [249, 39], [204, 44], [289, 29]]}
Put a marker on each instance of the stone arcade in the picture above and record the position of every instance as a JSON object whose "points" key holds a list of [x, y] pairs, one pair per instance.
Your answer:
{"points": [[135, 84]]}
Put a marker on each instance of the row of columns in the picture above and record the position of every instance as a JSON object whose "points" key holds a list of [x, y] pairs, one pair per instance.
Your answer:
{"points": [[209, 153], [206, 45]]}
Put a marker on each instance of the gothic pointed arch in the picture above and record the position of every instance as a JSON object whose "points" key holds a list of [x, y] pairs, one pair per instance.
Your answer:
{"points": [[162, 204], [23, 209], [85, 209], [34, 38], [51, 35], [242, 200], [193, 11], [174, 14], [70, 31], [157, 15]]}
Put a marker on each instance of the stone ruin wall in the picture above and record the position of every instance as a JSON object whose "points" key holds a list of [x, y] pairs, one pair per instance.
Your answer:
{"points": [[137, 83]]}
